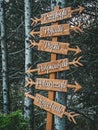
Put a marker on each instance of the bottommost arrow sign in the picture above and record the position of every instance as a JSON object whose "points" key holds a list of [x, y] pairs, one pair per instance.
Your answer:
{"points": [[52, 107]]}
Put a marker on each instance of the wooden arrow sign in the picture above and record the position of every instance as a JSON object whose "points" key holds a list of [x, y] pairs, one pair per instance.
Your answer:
{"points": [[56, 30], [58, 14], [55, 66], [52, 106], [54, 47], [53, 84]]}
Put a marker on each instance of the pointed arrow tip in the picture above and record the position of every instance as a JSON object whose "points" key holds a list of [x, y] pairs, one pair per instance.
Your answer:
{"points": [[78, 87], [81, 9]]}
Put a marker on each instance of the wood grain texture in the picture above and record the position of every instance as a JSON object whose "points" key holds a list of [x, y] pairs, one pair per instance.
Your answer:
{"points": [[51, 84], [53, 66], [53, 47], [49, 105], [58, 14], [55, 30]]}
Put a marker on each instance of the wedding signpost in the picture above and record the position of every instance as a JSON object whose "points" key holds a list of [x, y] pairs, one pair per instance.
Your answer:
{"points": [[54, 47]]}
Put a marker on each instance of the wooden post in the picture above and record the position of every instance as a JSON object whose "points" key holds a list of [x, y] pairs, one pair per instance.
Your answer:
{"points": [[51, 94]]}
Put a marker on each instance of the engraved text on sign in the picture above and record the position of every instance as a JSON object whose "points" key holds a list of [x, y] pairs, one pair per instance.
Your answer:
{"points": [[55, 30], [51, 84], [53, 66], [54, 47], [50, 106], [56, 15]]}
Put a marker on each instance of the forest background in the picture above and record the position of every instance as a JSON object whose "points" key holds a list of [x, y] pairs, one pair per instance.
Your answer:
{"points": [[85, 102]]}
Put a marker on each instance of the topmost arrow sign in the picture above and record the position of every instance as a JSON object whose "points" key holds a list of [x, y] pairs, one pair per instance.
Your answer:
{"points": [[56, 15]]}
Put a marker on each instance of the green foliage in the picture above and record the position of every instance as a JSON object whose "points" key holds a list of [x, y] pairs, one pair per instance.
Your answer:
{"points": [[13, 121]]}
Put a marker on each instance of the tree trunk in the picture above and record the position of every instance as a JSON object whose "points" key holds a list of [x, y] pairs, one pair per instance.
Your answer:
{"points": [[28, 103], [4, 60], [59, 124]]}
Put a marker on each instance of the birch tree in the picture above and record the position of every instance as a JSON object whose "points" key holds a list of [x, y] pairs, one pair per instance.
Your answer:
{"points": [[28, 103], [4, 60]]}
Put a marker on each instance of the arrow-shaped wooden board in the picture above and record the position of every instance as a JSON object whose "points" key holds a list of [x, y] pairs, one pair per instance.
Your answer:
{"points": [[54, 47], [56, 30], [55, 66], [58, 14], [53, 84], [52, 106]]}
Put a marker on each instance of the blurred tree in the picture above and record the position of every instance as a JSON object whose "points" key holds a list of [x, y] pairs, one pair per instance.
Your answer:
{"points": [[5, 84], [28, 103]]}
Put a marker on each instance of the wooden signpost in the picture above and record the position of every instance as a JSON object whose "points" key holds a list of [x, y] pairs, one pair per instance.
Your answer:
{"points": [[51, 106], [54, 47], [53, 84], [56, 30], [56, 15], [55, 66]]}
